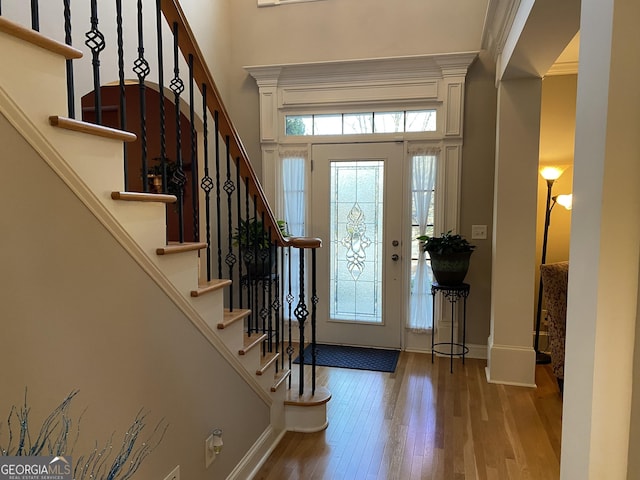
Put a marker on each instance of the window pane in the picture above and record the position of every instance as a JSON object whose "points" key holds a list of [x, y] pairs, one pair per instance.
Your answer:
{"points": [[298, 125], [355, 123], [421, 121], [327, 124], [388, 122]]}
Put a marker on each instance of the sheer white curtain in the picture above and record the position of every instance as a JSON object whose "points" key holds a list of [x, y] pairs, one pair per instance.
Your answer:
{"points": [[423, 177], [293, 174]]}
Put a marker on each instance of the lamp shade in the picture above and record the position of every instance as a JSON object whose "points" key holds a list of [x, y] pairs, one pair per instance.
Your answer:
{"points": [[551, 173], [565, 200]]}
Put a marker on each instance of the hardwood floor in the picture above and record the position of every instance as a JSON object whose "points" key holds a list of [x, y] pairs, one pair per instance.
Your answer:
{"points": [[424, 423]]}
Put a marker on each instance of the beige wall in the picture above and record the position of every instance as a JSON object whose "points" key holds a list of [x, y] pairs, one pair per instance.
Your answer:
{"points": [[478, 161], [339, 30], [79, 313], [354, 29], [557, 138]]}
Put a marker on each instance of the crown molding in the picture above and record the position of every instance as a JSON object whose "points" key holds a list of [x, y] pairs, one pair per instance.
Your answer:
{"points": [[497, 25], [371, 69], [564, 68]]}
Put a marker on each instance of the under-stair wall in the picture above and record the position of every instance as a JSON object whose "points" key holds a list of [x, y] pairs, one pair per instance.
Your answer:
{"points": [[79, 313]]}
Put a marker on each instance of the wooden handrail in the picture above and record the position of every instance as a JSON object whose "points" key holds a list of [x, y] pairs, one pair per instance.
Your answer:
{"points": [[188, 45]]}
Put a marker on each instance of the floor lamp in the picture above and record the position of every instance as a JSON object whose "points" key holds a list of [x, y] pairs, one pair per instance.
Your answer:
{"points": [[550, 174]]}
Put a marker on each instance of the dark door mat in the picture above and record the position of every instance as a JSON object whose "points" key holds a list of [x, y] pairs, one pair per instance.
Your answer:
{"points": [[358, 358]]}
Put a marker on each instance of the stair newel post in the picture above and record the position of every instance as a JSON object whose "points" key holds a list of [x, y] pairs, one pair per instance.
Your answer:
{"points": [[163, 115], [207, 181], [71, 103], [122, 98], [35, 15], [141, 69], [314, 304], [229, 188], [216, 121], [95, 42], [301, 314], [178, 178], [194, 156]]}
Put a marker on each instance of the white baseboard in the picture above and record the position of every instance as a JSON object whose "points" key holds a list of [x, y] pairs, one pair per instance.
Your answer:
{"points": [[511, 365], [257, 455]]}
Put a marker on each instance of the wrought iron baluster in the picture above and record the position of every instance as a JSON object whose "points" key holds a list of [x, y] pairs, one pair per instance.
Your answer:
{"points": [[256, 257], [264, 258], [301, 314], [207, 182], [290, 299], [194, 156], [269, 305], [239, 213], [178, 178], [218, 216], [95, 42], [71, 105], [123, 102], [35, 15], [314, 305], [142, 70], [229, 188], [163, 115], [276, 305]]}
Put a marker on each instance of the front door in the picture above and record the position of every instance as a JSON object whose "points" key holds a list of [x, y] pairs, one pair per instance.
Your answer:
{"points": [[357, 208]]}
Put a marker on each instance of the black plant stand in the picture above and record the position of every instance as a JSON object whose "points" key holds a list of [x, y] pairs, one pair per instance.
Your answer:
{"points": [[453, 293]]}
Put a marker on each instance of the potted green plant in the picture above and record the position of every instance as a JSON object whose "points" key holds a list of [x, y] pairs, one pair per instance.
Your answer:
{"points": [[253, 238], [449, 254]]}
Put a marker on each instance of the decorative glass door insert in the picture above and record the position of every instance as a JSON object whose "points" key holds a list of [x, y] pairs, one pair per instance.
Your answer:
{"points": [[357, 208], [357, 192]]}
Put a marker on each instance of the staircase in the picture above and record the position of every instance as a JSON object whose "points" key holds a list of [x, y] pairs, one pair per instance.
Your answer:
{"points": [[89, 159]]}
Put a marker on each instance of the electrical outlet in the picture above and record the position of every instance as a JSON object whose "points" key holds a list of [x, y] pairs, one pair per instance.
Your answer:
{"points": [[478, 232], [174, 475], [209, 451]]}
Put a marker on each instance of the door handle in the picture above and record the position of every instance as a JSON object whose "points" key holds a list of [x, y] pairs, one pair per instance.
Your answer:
{"points": [[395, 257]]}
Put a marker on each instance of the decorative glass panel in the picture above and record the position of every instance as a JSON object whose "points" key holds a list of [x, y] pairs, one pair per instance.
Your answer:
{"points": [[356, 241], [421, 121], [358, 123], [327, 124], [388, 122]]}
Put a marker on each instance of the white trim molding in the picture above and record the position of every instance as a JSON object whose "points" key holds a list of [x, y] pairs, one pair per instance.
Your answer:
{"points": [[406, 81]]}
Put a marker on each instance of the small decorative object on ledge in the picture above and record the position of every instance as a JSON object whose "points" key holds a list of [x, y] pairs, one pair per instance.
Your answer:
{"points": [[449, 256], [52, 440]]}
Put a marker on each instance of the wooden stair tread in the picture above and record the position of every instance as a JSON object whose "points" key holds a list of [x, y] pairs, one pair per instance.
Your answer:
{"points": [[180, 247], [232, 317], [38, 39], [251, 341], [280, 378], [322, 396], [144, 197], [210, 286], [266, 361], [91, 128]]}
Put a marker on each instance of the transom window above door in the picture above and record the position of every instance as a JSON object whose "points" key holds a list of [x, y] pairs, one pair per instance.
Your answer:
{"points": [[361, 123]]}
